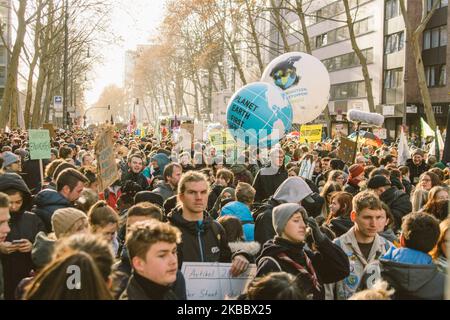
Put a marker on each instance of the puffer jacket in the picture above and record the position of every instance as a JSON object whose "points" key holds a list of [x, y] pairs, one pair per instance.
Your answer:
{"points": [[363, 273], [242, 212], [46, 203], [412, 274]]}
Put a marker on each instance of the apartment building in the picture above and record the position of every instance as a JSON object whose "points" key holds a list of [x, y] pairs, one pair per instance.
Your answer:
{"points": [[5, 19]]}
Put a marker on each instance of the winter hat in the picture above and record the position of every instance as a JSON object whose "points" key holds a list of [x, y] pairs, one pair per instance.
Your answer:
{"points": [[64, 219], [9, 158], [148, 196], [417, 152], [293, 190], [378, 181], [355, 170], [282, 213]]}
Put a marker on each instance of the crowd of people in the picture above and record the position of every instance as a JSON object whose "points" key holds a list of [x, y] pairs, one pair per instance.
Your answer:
{"points": [[315, 226]]}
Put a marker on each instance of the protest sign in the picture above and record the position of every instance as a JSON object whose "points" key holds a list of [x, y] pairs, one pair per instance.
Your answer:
{"points": [[311, 133], [221, 139], [347, 150], [39, 144], [50, 128], [106, 163], [212, 281]]}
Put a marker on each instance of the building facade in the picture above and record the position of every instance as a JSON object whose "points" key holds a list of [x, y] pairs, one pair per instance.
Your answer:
{"points": [[5, 20]]}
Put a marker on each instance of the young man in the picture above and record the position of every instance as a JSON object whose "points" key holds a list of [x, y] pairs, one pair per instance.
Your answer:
{"points": [[410, 269], [24, 226], [204, 239], [152, 246], [69, 185], [362, 245], [135, 168], [416, 166], [172, 175], [4, 230]]}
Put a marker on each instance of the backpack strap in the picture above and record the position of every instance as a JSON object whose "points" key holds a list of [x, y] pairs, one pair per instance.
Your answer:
{"points": [[271, 259]]}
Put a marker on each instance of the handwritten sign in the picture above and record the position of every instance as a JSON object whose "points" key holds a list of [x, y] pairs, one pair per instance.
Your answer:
{"points": [[39, 144], [311, 133], [346, 150], [212, 281], [106, 163]]}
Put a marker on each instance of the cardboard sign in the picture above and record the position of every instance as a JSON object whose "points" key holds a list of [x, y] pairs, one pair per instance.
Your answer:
{"points": [[221, 140], [347, 150], [106, 163], [311, 133], [50, 128], [212, 281], [39, 144]]}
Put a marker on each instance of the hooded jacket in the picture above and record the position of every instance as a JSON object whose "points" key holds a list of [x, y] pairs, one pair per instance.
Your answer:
{"points": [[293, 190], [46, 203], [14, 181], [164, 190], [140, 288], [412, 274], [330, 263], [162, 160], [362, 272], [205, 242], [399, 203], [267, 181], [242, 212]]}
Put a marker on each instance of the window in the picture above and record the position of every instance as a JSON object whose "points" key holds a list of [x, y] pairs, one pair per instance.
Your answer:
{"points": [[348, 90], [436, 76], [347, 60], [436, 37], [392, 9], [394, 42], [393, 78], [442, 3]]}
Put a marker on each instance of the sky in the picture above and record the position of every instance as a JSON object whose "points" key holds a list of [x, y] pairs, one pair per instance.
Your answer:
{"points": [[135, 21]]}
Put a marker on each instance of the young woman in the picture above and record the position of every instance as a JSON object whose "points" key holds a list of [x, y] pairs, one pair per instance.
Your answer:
{"points": [[104, 221], [327, 191], [287, 252], [340, 208], [439, 253], [437, 204], [428, 180]]}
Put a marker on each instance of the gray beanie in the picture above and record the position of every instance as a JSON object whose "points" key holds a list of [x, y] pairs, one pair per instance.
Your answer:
{"points": [[282, 213], [9, 158]]}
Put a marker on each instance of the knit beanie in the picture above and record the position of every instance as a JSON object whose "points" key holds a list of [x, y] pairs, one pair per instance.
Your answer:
{"points": [[417, 152], [355, 170], [9, 158], [64, 219], [282, 213]]}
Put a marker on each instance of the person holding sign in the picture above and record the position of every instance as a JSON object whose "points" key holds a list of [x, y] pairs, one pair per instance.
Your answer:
{"points": [[287, 252], [152, 247], [204, 239]]}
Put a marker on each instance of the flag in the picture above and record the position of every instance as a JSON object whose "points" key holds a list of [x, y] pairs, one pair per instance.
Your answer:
{"points": [[436, 148], [426, 129], [403, 149]]}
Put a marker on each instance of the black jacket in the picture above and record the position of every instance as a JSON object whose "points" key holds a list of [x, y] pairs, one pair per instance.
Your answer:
{"points": [[340, 225], [352, 189], [139, 178], [266, 184], [140, 288], [213, 195], [205, 243], [46, 203], [264, 230], [413, 282], [416, 171], [330, 263], [399, 203]]}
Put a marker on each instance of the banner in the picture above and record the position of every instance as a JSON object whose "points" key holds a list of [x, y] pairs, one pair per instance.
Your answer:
{"points": [[346, 150], [39, 141], [106, 162], [212, 281], [311, 133]]}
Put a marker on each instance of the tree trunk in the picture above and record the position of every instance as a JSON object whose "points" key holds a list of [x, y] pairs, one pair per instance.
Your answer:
{"points": [[362, 59], [10, 97], [254, 35], [279, 24]]}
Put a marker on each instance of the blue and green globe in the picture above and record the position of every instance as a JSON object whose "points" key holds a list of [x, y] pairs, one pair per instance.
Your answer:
{"points": [[259, 114]]}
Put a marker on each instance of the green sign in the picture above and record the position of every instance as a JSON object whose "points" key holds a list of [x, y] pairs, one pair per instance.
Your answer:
{"points": [[39, 144]]}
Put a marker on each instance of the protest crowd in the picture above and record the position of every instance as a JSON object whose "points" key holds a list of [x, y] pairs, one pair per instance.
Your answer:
{"points": [[312, 225]]}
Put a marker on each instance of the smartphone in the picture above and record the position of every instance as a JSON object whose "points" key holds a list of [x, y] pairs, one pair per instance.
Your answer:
{"points": [[18, 241]]}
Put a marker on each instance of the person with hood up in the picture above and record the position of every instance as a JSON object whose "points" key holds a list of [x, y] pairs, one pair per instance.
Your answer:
{"points": [[17, 263], [293, 190], [157, 165], [245, 195], [287, 251], [268, 179], [410, 269], [4, 230]]}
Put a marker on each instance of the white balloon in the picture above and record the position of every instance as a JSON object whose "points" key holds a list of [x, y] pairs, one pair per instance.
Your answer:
{"points": [[305, 80]]}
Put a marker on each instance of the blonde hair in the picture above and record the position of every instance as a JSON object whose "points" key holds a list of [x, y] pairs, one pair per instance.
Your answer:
{"points": [[379, 291]]}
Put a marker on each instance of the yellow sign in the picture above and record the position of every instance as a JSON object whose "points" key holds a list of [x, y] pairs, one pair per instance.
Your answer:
{"points": [[311, 133], [221, 139]]}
